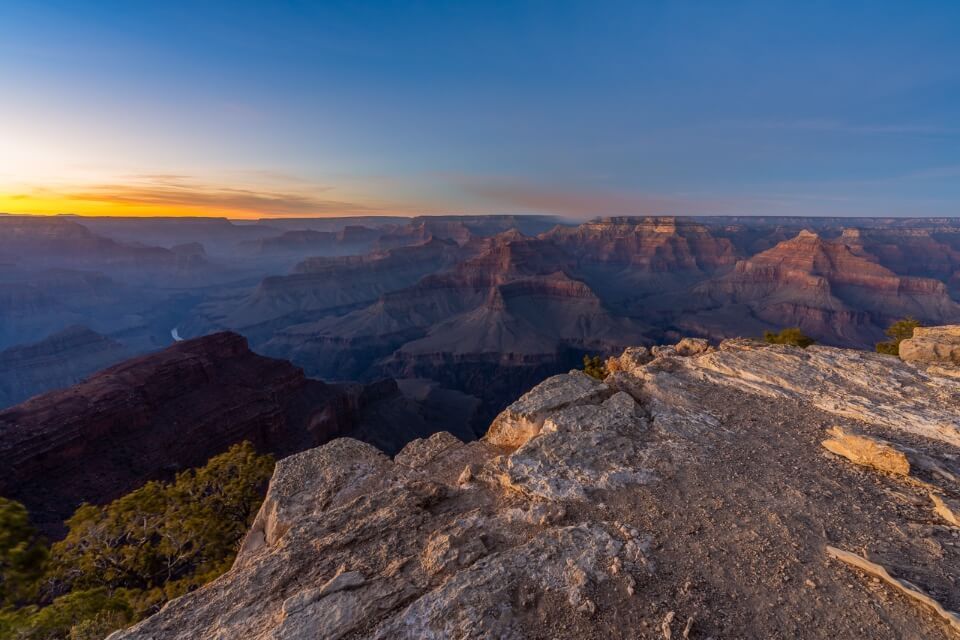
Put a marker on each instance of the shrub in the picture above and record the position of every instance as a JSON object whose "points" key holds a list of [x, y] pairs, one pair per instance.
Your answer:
{"points": [[23, 554], [77, 614], [594, 367], [897, 332], [792, 336], [121, 561]]}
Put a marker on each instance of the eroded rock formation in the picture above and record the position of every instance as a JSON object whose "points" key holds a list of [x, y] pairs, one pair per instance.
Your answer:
{"points": [[832, 288], [683, 496], [59, 360], [150, 416]]}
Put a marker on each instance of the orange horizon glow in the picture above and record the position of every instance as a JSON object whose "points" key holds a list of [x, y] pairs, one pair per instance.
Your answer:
{"points": [[31, 206], [178, 199]]}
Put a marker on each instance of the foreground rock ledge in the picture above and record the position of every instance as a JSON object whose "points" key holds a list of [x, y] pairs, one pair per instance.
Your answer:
{"points": [[687, 495]]}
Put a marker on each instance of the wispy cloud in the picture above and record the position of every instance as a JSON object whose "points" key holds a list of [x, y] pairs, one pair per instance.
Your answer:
{"points": [[178, 191]]}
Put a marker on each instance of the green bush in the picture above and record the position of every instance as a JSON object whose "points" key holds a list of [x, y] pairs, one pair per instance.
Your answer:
{"points": [[121, 561], [897, 332], [23, 555], [792, 336], [77, 614], [594, 367]]}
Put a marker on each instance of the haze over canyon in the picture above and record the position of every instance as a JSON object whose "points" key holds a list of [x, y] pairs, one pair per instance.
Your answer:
{"points": [[484, 306]]}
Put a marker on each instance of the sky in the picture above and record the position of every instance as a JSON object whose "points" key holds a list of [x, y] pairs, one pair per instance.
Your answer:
{"points": [[579, 109]]}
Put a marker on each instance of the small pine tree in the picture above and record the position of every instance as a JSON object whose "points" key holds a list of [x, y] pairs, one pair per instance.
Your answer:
{"points": [[594, 367], [897, 332], [792, 336]]}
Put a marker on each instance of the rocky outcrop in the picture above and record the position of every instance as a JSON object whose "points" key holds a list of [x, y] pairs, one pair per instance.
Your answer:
{"points": [[352, 239], [57, 361], [683, 496], [488, 309], [491, 326], [933, 345], [151, 416], [463, 229], [831, 288], [326, 286], [947, 508], [663, 244]]}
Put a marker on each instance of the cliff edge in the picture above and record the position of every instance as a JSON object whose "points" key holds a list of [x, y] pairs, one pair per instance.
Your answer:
{"points": [[750, 491]]}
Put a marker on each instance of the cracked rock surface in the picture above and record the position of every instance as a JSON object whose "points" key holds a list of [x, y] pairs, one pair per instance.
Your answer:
{"points": [[688, 495]]}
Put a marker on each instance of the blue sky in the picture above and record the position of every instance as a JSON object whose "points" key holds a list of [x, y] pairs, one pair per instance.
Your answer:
{"points": [[575, 108]]}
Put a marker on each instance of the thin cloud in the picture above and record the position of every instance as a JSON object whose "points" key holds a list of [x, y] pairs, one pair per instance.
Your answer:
{"points": [[178, 191]]}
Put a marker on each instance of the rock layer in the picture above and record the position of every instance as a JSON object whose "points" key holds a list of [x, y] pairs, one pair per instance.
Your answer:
{"points": [[831, 288]]}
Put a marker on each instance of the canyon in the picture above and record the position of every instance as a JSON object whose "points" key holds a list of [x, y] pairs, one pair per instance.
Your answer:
{"points": [[486, 306], [149, 417], [444, 471]]}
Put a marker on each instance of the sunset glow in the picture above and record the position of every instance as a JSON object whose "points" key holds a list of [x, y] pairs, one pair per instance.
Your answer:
{"points": [[270, 109]]}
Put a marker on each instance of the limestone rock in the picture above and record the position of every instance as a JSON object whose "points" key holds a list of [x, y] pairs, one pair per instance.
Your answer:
{"points": [[423, 450], [341, 582], [947, 508], [580, 448], [692, 346], [858, 385], [910, 590], [522, 420], [663, 350], [933, 345], [867, 451], [630, 361]]}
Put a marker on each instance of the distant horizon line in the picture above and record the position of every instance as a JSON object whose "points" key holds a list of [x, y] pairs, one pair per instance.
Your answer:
{"points": [[477, 215]]}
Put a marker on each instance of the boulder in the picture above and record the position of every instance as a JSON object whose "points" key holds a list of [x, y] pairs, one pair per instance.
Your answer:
{"points": [[867, 451], [523, 419], [692, 346], [933, 345], [632, 359]]}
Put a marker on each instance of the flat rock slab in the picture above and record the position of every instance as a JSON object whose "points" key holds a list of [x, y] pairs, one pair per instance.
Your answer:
{"points": [[867, 451]]}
